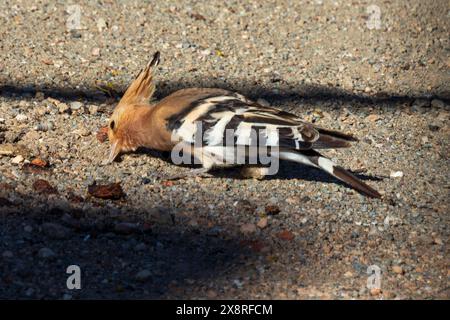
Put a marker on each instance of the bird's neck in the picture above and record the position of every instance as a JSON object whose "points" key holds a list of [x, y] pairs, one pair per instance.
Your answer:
{"points": [[147, 130]]}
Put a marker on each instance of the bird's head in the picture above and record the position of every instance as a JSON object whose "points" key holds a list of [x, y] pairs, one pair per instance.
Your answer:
{"points": [[122, 124]]}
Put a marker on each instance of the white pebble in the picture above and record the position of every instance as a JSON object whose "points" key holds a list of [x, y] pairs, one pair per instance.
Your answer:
{"points": [[21, 117], [396, 174], [17, 159]]}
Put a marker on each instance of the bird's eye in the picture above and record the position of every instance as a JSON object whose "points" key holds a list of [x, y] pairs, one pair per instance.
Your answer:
{"points": [[112, 124]]}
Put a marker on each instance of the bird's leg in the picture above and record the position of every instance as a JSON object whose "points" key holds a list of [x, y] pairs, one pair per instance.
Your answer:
{"points": [[199, 172]]}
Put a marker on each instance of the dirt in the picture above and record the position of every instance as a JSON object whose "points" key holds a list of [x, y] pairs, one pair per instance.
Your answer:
{"points": [[297, 235]]}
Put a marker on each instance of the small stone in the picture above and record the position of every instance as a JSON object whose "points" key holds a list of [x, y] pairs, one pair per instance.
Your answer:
{"points": [[375, 291], [43, 186], [102, 134], [248, 228], [421, 103], [47, 126], [140, 247], [95, 51], [39, 95], [436, 103], [67, 296], [205, 52], [143, 275], [46, 253], [7, 254], [397, 269], [112, 191], [17, 159], [272, 209], [161, 215], [262, 223], [101, 24], [396, 174], [211, 294], [348, 274], [39, 162], [55, 231], [434, 126], [76, 105], [28, 228], [245, 207], [63, 108], [286, 235], [21, 117], [93, 109], [29, 292], [126, 228], [373, 118]]}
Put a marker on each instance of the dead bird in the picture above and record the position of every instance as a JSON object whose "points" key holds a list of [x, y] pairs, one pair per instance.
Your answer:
{"points": [[174, 121]]}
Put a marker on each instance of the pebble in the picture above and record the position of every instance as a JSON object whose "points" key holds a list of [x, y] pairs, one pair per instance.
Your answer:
{"points": [[93, 109], [47, 126], [126, 228], [46, 253], [17, 159], [397, 269], [272, 210], [375, 291], [67, 296], [63, 108], [348, 274], [44, 187], [421, 103], [101, 24], [76, 105], [21, 117], [286, 235], [211, 294], [262, 223], [107, 191], [373, 118], [436, 103], [143, 275], [140, 247], [95, 51], [248, 228], [55, 231], [29, 292], [396, 174], [205, 52], [7, 254]]}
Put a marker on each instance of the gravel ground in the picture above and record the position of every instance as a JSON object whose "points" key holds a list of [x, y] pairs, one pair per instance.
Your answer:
{"points": [[297, 235]]}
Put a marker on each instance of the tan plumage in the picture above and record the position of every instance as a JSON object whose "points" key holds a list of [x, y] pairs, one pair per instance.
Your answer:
{"points": [[136, 123]]}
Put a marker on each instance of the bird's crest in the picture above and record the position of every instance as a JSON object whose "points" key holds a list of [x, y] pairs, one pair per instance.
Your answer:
{"points": [[142, 88]]}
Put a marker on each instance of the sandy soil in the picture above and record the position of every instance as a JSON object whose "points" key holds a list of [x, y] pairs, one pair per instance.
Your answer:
{"points": [[297, 235]]}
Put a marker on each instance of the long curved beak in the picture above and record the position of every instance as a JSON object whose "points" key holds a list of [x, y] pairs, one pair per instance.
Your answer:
{"points": [[114, 152]]}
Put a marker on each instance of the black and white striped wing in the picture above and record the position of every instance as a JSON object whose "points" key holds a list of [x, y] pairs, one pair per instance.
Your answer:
{"points": [[222, 120]]}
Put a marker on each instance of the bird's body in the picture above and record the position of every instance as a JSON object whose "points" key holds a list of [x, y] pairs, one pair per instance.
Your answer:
{"points": [[228, 122]]}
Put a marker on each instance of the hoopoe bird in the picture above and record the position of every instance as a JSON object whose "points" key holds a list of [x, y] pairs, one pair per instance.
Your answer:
{"points": [[173, 121]]}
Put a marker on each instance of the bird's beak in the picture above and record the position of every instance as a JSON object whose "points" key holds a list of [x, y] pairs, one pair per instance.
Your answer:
{"points": [[114, 152]]}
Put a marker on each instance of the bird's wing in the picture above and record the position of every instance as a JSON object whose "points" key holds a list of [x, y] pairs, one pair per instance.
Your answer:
{"points": [[225, 118]]}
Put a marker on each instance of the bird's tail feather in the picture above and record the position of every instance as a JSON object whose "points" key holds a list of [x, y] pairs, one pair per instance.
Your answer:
{"points": [[315, 159], [330, 139]]}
